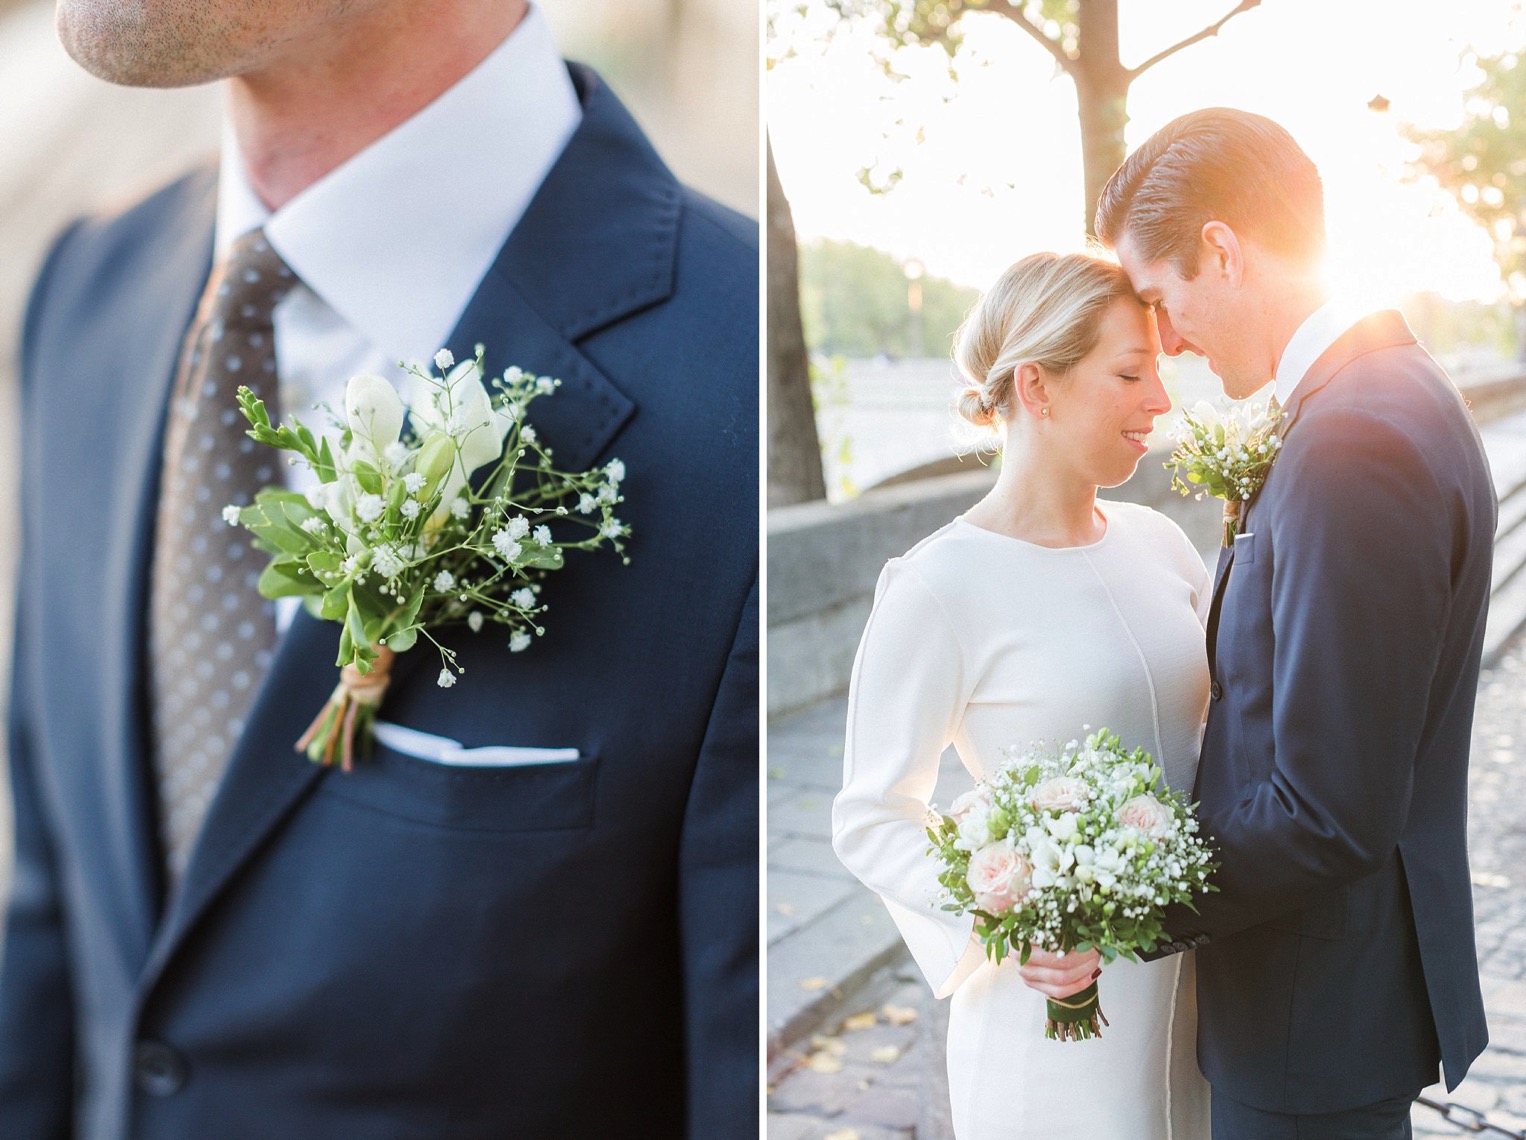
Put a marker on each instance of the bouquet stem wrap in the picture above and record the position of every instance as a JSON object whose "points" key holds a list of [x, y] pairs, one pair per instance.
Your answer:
{"points": [[1078, 1017], [350, 711]]}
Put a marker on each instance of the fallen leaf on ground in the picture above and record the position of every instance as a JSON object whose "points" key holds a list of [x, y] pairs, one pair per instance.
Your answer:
{"points": [[832, 1045], [785, 908], [886, 1055], [814, 984], [824, 1063], [860, 1021], [899, 1014]]}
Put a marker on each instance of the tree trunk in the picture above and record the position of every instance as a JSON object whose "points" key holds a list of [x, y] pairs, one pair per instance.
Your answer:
{"points": [[1102, 93], [794, 449]]}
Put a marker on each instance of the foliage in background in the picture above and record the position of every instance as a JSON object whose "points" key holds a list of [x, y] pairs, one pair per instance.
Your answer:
{"points": [[853, 303], [1080, 35], [1483, 162]]}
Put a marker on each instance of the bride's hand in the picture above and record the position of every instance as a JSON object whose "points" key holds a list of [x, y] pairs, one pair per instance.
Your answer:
{"points": [[1059, 977]]}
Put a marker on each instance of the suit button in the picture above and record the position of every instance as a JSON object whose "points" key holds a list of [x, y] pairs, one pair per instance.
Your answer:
{"points": [[1216, 691], [157, 1069]]}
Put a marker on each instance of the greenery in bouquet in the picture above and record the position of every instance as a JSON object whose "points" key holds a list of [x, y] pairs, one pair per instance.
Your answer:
{"points": [[1071, 850], [1226, 457], [442, 511]]}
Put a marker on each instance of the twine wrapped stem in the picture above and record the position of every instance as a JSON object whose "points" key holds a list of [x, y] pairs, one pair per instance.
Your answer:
{"points": [[350, 711]]}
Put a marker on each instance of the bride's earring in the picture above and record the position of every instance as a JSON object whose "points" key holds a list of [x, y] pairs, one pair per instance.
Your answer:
{"points": [[1043, 411]]}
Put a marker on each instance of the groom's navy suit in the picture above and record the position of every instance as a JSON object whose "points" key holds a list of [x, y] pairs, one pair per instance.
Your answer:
{"points": [[1337, 966], [407, 950]]}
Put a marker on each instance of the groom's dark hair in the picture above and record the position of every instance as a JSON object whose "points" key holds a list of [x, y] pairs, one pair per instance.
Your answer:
{"points": [[1217, 164]]}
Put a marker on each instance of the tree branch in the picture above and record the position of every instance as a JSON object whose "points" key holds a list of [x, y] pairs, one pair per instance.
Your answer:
{"points": [[1013, 12], [1211, 30]]}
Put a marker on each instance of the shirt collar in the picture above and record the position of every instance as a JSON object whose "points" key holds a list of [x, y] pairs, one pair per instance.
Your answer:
{"points": [[1320, 329], [396, 239]]}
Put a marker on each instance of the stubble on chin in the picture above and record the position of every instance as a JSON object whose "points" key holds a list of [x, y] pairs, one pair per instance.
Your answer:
{"points": [[144, 43]]}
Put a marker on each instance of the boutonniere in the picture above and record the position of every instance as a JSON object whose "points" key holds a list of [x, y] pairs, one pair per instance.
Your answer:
{"points": [[1228, 457], [442, 511]]}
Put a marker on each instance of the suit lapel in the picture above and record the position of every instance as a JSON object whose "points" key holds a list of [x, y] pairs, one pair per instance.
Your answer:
{"points": [[172, 285], [597, 243], [1384, 329]]}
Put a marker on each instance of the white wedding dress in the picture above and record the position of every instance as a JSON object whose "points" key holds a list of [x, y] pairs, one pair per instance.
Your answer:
{"points": [[984, 641]]}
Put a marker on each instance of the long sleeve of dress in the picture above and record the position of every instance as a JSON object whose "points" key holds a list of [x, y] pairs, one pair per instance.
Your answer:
{"points": [[905, 702]]}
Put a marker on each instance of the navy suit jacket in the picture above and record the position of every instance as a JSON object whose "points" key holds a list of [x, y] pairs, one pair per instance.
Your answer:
{"points": [[407, 950], [1337, 966]]}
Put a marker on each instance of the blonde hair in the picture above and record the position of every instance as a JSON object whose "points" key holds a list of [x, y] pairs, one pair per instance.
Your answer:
{"points": [[1046, 310]]}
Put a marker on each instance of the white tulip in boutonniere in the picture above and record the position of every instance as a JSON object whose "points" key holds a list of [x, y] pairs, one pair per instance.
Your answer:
{"points": [[442, 512], [1226, 457]]}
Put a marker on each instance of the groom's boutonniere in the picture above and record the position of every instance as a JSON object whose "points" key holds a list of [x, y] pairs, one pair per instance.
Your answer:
{"points": [[405, 536], [1227, 457]]}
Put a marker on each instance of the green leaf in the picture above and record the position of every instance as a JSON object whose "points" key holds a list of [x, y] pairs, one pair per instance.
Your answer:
{"points": [[276, 519], [403, 640], [335, 603], [287, 578], [545, 558], [368, 477]]}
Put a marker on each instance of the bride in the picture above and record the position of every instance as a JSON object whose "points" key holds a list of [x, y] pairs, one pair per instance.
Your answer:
{"points": [[1039, 612]]}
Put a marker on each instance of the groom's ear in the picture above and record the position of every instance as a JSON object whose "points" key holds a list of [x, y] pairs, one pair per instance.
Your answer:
{"points": [[1221, 253]]}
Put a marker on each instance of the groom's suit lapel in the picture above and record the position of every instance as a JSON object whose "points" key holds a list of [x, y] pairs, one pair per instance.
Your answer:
{"points": [[597, 243], [1385, 329]]}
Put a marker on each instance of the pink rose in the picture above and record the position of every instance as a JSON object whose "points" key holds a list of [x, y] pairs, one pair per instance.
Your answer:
{"points": [[999, 876], [1061, 793], [1147, 814], [978, 796]]}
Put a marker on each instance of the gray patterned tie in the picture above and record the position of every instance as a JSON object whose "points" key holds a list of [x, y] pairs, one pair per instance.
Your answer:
{"points": [[211, 634]]}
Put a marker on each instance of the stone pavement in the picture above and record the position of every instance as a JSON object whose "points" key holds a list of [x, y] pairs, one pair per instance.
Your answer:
{"points": [[861, 1058]]}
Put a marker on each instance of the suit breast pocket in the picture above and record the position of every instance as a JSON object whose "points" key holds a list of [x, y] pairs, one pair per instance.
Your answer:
{"points": [[557, 795]]}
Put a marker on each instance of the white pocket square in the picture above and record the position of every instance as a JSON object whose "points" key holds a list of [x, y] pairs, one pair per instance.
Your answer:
{"points": [[443, 750]]}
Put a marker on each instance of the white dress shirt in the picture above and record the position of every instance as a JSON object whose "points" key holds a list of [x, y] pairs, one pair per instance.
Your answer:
{"points": [[391, 245], [1320, 329]]}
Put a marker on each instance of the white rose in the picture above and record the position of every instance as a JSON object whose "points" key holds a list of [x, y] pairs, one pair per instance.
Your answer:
{"points": [[999, 876]]}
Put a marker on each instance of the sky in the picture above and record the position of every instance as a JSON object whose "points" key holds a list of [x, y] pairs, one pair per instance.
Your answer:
{"points": [[991, 160]]}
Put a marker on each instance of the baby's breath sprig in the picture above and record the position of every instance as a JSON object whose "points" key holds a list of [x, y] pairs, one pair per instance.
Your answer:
{"points": [[443, 511], [1226, 457]]}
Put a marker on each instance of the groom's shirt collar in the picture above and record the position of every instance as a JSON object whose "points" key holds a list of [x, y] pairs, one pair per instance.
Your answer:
{"points": [[1320, 329], [396, 239]]}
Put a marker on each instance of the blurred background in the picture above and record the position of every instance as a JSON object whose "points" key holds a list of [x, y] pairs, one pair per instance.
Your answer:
{"points": [[687, 69], [923, 145]]}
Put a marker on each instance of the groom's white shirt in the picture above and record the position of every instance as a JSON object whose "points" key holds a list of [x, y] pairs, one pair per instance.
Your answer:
{"points": [[1320, 329], [391, 245]]}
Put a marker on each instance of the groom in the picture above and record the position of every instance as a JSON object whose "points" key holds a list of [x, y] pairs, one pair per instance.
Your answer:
{"points": [[1336, 967], [533, 912]]}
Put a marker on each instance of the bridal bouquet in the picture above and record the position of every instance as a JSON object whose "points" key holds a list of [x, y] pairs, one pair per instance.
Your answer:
{"points": [[1069, 851], [446, 511], [1228, 458]]}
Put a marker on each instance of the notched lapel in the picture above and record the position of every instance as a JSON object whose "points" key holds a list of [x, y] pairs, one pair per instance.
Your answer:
{"points": [[597, 244], [1385, 329], [585, 413]]}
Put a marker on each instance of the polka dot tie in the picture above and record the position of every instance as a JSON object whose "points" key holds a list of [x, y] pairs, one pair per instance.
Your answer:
{"points": [[211, 635]]}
